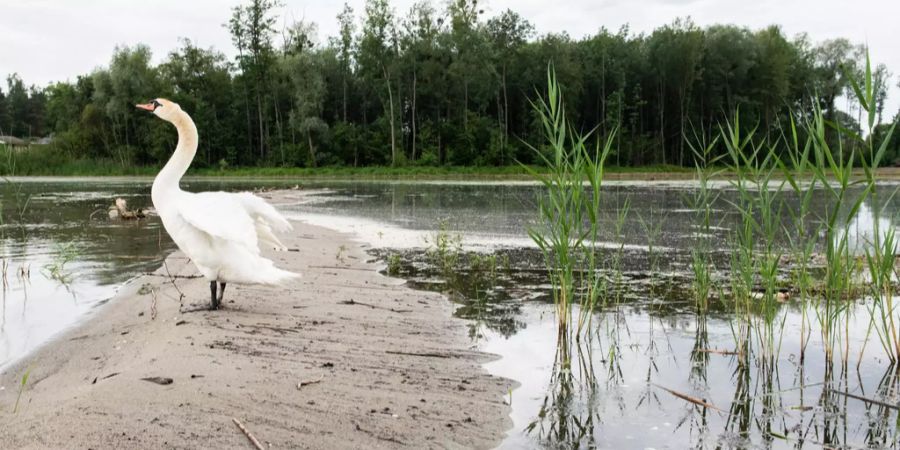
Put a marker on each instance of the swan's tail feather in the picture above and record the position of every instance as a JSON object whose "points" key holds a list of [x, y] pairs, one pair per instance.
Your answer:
{"points": [[276, 276], [264, 272]]}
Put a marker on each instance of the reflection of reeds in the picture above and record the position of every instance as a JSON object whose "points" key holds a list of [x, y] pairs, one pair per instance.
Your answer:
{"points": [[563, 421]]}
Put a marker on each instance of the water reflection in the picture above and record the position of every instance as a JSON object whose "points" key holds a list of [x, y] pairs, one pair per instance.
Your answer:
{"points": [[57, 232]]}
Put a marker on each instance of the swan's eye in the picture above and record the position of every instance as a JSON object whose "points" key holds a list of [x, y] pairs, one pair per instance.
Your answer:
{"points": [[156, 104]]}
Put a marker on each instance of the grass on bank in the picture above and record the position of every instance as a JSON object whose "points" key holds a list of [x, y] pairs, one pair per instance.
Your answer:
{"points": [[44, 161]]}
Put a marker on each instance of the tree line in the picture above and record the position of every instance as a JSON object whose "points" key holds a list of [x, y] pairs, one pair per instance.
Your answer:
{"points": [[436, 86]]}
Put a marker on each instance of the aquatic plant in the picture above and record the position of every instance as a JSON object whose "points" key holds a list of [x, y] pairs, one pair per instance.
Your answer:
{"points": [[803, 233], [63, 255], [834, 171], [569, 210], [445, 249], [759, 205], [701, 202], [393, 264], [881, 252], [21, 389]]}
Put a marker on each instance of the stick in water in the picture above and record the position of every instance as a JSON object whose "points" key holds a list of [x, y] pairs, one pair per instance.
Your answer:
{"points": [[689, 398], [248, 434]]}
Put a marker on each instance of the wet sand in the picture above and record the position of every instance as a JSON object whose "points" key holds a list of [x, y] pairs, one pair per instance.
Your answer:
{"points": [[341, 358]]}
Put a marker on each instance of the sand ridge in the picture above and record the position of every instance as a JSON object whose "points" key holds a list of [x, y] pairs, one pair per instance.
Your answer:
{"points": [[379, 365]]}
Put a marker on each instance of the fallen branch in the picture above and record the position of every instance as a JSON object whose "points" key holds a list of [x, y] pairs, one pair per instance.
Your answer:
{"points": [[159, 380], [426, 355], [172, 280], [307, 383], [187, 277], [342, 268], [248, 434], [354, 302], [718, 352], [694, 400], [866, 399], [378, 436]]}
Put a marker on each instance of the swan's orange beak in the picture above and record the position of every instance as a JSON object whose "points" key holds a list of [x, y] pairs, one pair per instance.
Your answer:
{"points": [[146, 106]]}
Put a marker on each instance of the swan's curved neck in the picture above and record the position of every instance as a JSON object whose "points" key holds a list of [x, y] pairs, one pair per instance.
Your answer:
{"points": [[178, 164]]}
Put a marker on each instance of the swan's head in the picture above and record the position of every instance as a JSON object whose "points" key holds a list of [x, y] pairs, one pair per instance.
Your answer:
{"points": [[164, 109]]}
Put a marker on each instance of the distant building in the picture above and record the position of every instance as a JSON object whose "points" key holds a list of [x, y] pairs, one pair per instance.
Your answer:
{"points": [[13, 142], [43, 141]]}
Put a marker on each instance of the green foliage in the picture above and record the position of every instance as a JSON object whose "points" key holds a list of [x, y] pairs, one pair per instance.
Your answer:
{"points": [[437, 84]]}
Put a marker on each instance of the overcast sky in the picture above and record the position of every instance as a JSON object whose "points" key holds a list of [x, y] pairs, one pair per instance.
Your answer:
{"points": [[51, 40]]}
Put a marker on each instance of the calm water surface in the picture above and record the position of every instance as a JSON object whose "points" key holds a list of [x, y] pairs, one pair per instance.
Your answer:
{"points": [[610, 389]]}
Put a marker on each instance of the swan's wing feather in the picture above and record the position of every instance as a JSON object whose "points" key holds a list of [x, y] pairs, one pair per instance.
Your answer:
{"points": [[220, 215], [260, 209]]}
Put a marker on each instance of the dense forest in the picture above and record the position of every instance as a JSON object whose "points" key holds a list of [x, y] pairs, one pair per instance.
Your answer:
{"points": [[434, 86]]}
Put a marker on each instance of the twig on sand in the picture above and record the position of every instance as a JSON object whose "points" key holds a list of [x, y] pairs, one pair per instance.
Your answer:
{"points": [[354, 302], [309, 382], [180, 294], [689, 398], [866, 399], [378, 436], [426, 355], [361, 269], [247, 433]]}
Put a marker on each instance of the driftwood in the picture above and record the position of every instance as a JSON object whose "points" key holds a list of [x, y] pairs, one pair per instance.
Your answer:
{"points": [[694, 400], [866, 399], [309, 382], [247, 433], [718, 352], [159, 380], [424, 355], [354, 302]]}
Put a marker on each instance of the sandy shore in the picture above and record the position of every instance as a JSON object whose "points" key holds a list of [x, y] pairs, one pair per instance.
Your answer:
{"points": [[387, 366]]}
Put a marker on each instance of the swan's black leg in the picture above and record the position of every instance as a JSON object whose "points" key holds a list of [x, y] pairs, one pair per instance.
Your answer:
{"points": [[221, 294], [212, 290]]}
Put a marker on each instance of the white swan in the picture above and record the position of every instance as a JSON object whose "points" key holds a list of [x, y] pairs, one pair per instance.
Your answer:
{"points": [[220, 232]]}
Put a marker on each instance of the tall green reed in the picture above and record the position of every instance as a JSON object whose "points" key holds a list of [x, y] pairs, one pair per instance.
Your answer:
{"points": [[759, 204], [803, 233], [833, 169], [701, 202], [881, 252], [570, 209]]}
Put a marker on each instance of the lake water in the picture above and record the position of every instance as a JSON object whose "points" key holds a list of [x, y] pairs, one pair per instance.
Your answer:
{"points": [[612, 390]]}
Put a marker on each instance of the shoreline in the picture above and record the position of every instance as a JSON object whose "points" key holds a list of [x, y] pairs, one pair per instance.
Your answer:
{"points": [[378, 364]]}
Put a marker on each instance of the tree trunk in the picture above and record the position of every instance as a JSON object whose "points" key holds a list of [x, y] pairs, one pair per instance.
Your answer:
{"points": [[505, 115], [387, 80], [662, 121], [249, 122], [261, 125], [465, 104], [312, 150], [345, 96], [412, 156], [278, 125]]}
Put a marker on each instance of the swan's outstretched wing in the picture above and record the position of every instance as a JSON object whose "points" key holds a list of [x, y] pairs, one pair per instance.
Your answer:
{"points": [[220, 215]]}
